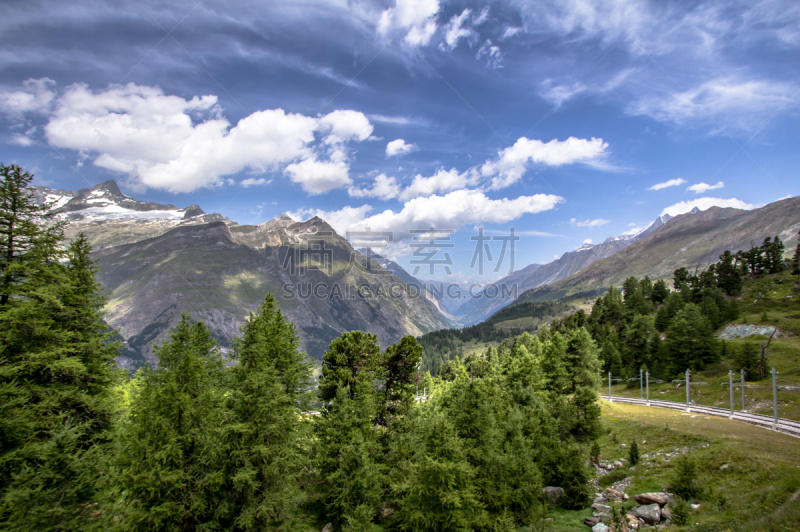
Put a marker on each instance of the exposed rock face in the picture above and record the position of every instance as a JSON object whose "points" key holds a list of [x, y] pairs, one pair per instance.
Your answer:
{"points": [[734, 331], [649, 513]]}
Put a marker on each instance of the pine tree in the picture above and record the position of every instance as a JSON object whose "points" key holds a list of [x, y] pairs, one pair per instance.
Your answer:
{"points": [[168, 442], [55, 370], [796, 260], [347, 449], [690, 342], [261, 449], [400, 366], [747, 359]]}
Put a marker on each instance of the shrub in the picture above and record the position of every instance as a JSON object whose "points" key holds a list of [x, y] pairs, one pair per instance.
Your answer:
{"points": [[633, 453], [610, 478], [684, 482], [680, 511], [594, 453]]}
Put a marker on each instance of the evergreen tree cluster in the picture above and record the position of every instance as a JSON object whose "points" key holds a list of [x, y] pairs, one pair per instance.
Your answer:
{"points": [[649, 326]]}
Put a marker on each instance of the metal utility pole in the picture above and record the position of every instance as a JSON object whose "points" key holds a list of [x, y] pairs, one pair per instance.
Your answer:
{"points": [[775, 396], [743, 406], [730, 383], [687, 390], [647, 377], [609, 386], [641, 385]]}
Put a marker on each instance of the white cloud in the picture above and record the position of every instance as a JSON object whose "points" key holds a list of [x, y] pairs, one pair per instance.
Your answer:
{"points": [[35, 96], [452, 211], [512, 162], [670, 183], [481, 17], [699, 188], [399, 147], [384, 188], [633, 231], [587, 241], [588, 223], [341, 220], [318, 177], [255, 182], [510, 31], [171, 143], [441, 181], [416, 17], [737, 103], [457, 29], [491, 53], [705, 203], [344, 126]]}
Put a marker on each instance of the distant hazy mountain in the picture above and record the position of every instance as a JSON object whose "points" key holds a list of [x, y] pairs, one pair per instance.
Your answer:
{"points": [[159, 261], [692, 240], [535, 275]]}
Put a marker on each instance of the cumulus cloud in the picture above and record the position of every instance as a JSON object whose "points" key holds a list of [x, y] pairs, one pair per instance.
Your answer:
{"points": [[399, 147], [589, 223], [441, 181], [318, 177], [670, 183], [705, 203], [512, 162], [384, 188], [35, 96], [587, 241], [455, 210], [179, 145], [415, 17], [699, 188]]}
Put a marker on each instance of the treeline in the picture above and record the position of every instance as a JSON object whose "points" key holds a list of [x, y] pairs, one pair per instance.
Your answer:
{"points": [[446, 344], [206, 442], [647, 325]]}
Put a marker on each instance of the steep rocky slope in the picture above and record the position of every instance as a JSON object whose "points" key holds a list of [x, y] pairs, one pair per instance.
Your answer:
{"points": [[218, 274], [691, 240]]}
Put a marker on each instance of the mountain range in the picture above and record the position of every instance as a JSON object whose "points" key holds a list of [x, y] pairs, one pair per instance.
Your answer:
{"points": [[159, 261]]}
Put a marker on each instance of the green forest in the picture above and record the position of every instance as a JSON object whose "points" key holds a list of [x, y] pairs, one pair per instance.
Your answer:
{"points": [[204, 441]]}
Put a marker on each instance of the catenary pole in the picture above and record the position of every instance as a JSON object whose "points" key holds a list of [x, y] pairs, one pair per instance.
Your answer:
{"points": [[775, 396], [641, 385], [730, 383], [647, 379], [743, 404], [609, 386], [687, 390]]}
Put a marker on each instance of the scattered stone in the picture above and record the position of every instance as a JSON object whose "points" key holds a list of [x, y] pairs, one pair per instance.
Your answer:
{"points": [[601, 508], [649, 513], [723, 467], [617, 463], [591, 521], [554, 494], [652, 498], [328, 528], [632, 468], [600, 527], [666, 513], [613, 495], [694, 506]]}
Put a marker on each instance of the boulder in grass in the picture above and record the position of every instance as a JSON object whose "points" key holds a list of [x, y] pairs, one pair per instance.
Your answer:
{"points": [[328, 528], [649, 513], [662, 499], [554, 494], [591, 521], [600, 527], [613, 495]]}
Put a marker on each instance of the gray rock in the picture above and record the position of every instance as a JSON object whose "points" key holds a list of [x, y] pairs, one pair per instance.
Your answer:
{"points": [[666, 513], [650, 498], [600, 527], [554, 494], [328, 528], [613, 495], [591, 521], [649, 513], [601, 508]]}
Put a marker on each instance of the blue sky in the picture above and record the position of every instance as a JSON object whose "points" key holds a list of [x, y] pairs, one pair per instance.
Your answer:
{"points": [[558, 118]]}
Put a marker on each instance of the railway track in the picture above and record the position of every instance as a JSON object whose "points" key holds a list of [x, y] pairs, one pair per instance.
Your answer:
{"points": [[786, 426]]}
